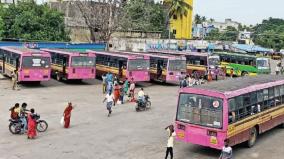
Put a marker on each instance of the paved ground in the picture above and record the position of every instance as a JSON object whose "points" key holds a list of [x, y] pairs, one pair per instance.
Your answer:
{"points": [[125, 135]]}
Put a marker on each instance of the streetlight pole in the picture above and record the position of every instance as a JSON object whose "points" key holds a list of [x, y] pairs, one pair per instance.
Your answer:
{"points": [[169, 36]]}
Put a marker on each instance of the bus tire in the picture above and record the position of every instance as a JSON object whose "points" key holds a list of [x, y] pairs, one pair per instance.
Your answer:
{"points": [[58, 77], [252, 137], [244, 73], [281, 125]]}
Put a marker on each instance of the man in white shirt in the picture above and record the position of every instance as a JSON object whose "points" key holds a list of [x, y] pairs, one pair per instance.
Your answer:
{"points": [[170, 143], [227, 151], [110, 100], [141, 95]]}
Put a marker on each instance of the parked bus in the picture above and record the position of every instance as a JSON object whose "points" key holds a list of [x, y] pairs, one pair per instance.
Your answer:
{"points": [[165, 68], [123, 65], [31, 65], [72, 65], [237, 110], [244, 64], [199, 63]]}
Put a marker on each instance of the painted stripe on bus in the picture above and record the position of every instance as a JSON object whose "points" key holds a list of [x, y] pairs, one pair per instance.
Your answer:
{"points": [[257, 119], [107, 68], [8, 66], [196, 67]]}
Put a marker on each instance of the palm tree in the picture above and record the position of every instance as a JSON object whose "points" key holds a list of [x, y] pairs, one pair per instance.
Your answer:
{"points": [[197, 19], [203, 19]]}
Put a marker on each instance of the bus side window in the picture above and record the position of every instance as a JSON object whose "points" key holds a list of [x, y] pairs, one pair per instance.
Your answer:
{"points": [[271, 97], [282, 93], [259, 100], [265, 100], [153, 63], [277, 98], [247, 105], [239, 107], [232, 109]]}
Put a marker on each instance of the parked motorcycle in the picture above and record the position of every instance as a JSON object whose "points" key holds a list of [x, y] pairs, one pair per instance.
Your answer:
{"points": [[143, 105], [16, 126]]}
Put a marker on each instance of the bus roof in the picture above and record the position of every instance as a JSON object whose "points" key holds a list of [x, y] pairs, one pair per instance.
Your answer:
{"points": [[179, 52], [157, 55], [235, 54], [62, 51], [20, 50], [242, 85], [117, 54]]}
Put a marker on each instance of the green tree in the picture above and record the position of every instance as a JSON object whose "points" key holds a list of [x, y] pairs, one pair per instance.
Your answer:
{"points": [[30, 21], [197, 19], [143, 16], [211, 20], [213, 35], [203, 19], [270, 33], [230, 34]]}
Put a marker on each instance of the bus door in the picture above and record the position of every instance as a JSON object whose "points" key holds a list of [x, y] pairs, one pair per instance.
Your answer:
{"points": [[3, 58], [64, 61], [120, 68], [160, 68], [17, 63]]}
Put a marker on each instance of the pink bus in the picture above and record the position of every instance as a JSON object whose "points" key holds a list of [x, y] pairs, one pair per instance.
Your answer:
{"points": [[31, 65], [234, 110], [123, 65], [198, 64], [165, 68], [72, 65]]}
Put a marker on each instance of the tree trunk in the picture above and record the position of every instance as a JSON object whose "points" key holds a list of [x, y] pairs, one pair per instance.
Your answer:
{"points": [[109, 30], [93, 34]]}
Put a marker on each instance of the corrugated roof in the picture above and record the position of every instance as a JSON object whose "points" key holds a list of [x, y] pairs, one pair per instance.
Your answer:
{"points": [[239, 83], [250, 48]]}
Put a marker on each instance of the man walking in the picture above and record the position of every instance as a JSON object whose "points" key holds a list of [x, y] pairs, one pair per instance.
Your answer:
{"points": [[14, 80], [110, 100]]}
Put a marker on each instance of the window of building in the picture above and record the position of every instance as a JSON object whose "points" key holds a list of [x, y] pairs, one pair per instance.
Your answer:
{"points": [[174, 16], [174, 31]]}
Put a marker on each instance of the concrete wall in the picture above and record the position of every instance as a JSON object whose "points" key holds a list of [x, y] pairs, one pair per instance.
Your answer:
{"points": [[140, 44], [79, 34]]}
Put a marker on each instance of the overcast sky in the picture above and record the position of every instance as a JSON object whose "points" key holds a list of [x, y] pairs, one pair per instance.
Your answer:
{"points": [[244, 11]]}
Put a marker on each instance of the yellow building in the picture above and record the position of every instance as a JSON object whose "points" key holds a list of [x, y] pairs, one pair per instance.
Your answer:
{"points": [[181, 27]]}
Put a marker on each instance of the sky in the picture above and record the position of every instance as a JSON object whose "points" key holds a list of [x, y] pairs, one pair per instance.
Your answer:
{"points": [[244, 11]]}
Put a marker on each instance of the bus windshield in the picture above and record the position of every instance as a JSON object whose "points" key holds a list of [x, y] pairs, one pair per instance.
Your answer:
{"points": [[39, 62], [262, 63], [141, 64], [80, 61], [214, 61], [177, 65], [200, 110]]}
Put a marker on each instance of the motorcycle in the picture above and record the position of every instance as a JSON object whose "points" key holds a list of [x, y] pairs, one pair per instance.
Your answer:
{"points": [[16, 126], [142, 106]]}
